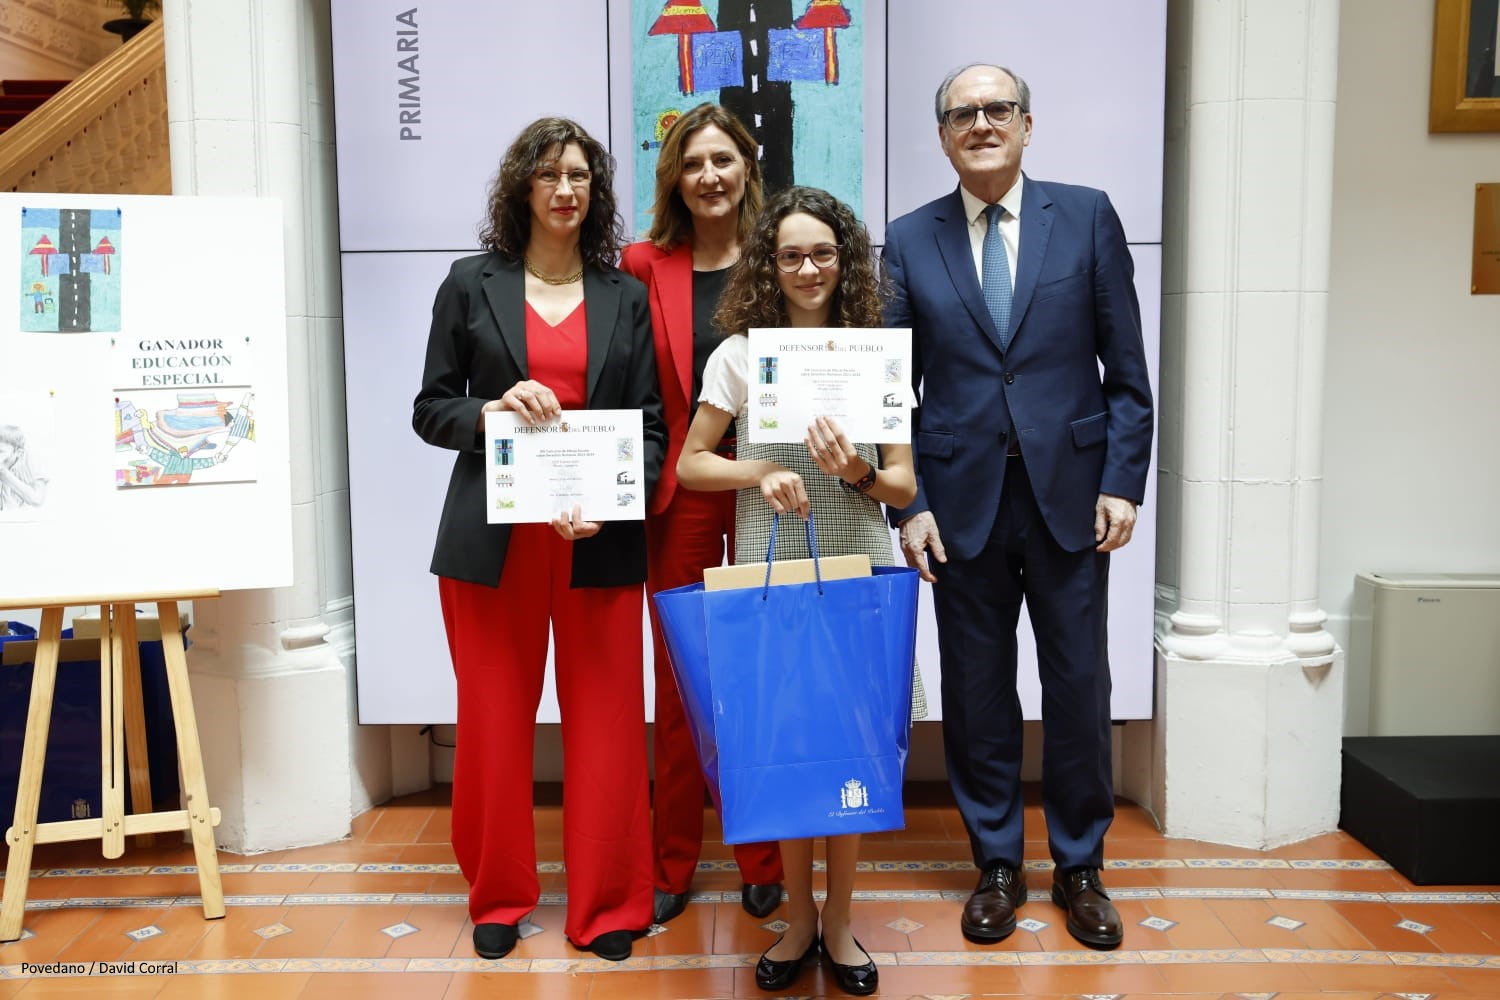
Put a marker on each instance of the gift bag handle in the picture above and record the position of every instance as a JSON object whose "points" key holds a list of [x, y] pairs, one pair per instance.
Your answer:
{"points": [[812, 549]]}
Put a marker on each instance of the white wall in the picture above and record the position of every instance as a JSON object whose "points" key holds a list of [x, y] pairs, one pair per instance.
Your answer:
{"points": [[1411, 406]]}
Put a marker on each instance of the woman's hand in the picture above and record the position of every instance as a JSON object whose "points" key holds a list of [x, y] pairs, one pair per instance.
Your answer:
{"points": [[572, 526], [783, 490], [833, 453], [533, 401]]}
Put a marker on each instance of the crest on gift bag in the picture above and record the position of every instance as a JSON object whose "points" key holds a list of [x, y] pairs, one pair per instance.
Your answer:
{"points": [[854, 795]]}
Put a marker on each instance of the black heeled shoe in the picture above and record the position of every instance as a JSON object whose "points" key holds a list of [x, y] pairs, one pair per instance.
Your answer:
{"points": [[667, 905], [861, 980], [772, 975]]}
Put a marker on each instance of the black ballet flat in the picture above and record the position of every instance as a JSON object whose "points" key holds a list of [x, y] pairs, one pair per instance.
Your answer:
{"points": [[494, 941], [861, 980], [772, 976]]}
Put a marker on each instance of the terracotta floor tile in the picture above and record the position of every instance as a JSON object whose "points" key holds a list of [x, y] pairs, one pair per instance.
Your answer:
{"points": [[692, 933], [520, 986], [1339, 881], [1377, 922], [1452, 929], [1324, 927], [53, 931], [912, 980], [441, 932], [1247, 921], [630, 985], [250, 986], [182, 928], [312, 928], [362, 882], [1483, 983], [103, 987], [267, 883], [233, 935], [359, 935], [374, 986], [1390, 978], [1074, 979], [1197, 925], [427, 854], [1236, 977], [104, 940]]}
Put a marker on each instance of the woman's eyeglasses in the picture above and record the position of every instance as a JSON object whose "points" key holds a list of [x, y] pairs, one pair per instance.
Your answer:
{"points": [[823, 256], [549, 177]]}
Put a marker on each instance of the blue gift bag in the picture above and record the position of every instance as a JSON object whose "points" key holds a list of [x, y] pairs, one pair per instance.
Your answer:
{"points": [[799, 699]]}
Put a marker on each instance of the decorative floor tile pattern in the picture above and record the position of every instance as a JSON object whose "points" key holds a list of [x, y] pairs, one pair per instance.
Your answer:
{"points": [[1414, 926], [388, 911], [399, 930]]}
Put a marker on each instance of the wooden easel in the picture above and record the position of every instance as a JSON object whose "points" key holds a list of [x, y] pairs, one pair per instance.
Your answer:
{"points": [[122, 726]]}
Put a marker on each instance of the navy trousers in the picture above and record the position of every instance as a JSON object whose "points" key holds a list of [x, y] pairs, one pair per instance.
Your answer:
{"points": [[977, 604]]}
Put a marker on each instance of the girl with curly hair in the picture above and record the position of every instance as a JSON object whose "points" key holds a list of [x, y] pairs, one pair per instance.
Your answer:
{"points": [[807, 263], [538, 324]]}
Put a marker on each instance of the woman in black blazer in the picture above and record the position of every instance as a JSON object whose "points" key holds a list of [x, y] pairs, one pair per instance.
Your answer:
{"points": [[540, 323]]}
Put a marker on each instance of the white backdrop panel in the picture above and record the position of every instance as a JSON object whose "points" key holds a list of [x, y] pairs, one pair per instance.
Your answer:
{"points": [[487, 75], [185, 267], [1097, 72], [485, 71]]}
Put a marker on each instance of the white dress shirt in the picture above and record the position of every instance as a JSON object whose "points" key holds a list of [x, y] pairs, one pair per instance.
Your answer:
{"points": [[1010, 227]]}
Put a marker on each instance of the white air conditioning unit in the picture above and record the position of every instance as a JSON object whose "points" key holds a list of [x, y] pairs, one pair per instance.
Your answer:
{"points": [[1424, 655]]}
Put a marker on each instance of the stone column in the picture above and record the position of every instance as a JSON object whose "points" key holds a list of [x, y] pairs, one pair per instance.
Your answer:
{"points": [[249, 99], [1250, 685]]}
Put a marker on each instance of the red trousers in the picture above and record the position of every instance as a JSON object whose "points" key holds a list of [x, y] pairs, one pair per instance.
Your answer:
{"points": [[683, 540], [498, 641]]}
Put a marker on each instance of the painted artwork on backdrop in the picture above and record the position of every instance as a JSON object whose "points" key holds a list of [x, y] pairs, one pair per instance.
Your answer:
{"points": [[70, 273], [791, 70], [27, 445]]}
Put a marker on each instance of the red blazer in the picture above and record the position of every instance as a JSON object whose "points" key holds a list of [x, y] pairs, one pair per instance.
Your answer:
{"points": [[668, 276]]}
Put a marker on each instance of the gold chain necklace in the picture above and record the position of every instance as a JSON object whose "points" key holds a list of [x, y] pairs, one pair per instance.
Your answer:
{"points": [[566, 280]]}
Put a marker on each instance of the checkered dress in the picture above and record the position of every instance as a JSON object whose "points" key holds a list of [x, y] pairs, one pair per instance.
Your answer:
{"points": [[845, 521]]}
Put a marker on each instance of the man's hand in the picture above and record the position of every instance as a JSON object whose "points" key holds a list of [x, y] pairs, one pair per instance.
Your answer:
{"points": [[919, 533], [1114, 521]]}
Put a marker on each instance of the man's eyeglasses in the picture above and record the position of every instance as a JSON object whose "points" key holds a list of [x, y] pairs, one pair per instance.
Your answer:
{"points": [[552, 178], [823, 256], [997, 113]]}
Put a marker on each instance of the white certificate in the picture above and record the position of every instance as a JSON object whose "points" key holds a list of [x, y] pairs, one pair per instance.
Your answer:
{"points": [[859, 377], [588, 458]]}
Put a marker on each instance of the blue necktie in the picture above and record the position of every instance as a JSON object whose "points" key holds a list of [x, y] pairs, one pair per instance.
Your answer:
{"points": [[994, 275]]}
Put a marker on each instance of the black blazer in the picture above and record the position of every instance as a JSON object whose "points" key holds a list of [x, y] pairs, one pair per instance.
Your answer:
{"points": [[476, 350]]}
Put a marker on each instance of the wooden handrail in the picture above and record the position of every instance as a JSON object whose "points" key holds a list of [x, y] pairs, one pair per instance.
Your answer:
{"points": [[123, 95]]}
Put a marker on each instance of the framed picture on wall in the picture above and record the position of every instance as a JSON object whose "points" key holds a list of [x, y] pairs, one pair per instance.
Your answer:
{"points": [[1465, 84]]}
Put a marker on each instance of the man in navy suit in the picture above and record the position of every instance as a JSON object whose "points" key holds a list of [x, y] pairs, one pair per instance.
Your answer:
{"points": [[1019, 295]]}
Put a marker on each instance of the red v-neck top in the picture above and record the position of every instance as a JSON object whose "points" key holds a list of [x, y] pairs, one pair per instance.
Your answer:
{"points": [[557, 356]]}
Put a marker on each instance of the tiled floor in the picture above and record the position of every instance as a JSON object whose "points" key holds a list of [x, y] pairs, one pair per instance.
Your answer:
{"points": [[383, 915]]}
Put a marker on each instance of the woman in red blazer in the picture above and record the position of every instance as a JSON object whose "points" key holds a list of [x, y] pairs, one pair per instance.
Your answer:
{"points": [[539, 324], [708, 193]]}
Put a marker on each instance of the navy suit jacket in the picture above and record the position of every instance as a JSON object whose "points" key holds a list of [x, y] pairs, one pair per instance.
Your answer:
{"points": [[476, 350], [1073, 385]]}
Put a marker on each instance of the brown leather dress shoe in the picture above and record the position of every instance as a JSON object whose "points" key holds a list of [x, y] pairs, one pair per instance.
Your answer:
{"points": [[990, 913], [1092, 918]]}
